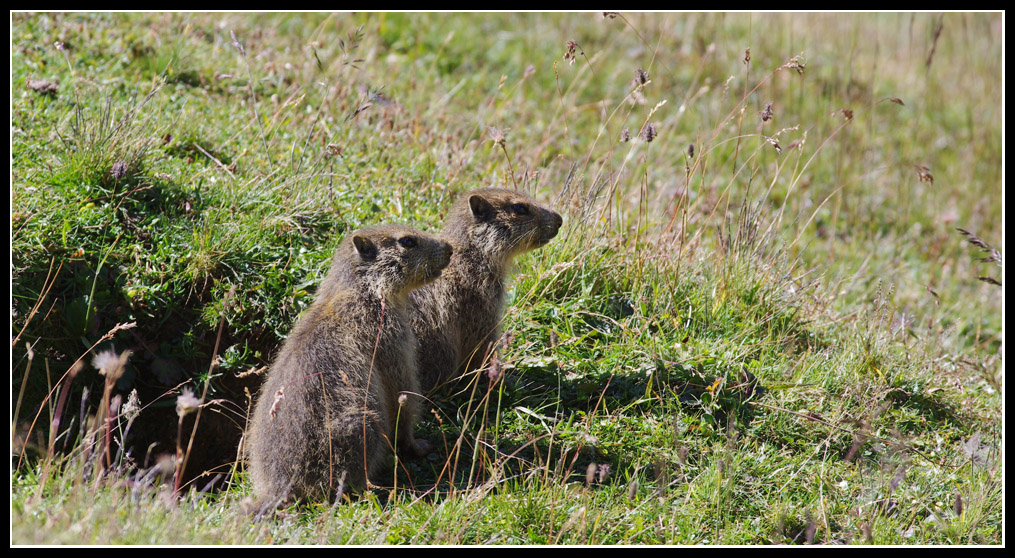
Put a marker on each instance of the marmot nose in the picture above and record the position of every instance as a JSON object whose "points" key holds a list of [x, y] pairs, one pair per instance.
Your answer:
{"points": [[555, 222]]}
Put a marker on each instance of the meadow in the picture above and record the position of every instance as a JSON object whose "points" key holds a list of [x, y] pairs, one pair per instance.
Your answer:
{"points": [[774, 314]]}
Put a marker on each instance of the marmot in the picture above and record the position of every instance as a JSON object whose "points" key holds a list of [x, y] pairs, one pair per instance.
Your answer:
{"points": [[345, 384], [456, 317]]}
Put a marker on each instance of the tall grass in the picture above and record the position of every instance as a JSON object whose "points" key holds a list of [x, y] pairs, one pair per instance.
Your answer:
{"points": [[757, 326]]}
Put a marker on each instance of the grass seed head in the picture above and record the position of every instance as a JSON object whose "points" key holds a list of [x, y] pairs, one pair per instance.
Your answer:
{"points": [[797, 63], [119, 170], [569, 53], [924, 174], [237, 44], [648, 133]]}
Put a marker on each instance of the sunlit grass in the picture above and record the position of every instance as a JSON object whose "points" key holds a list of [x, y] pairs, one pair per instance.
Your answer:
{"points": [[758, 325]]}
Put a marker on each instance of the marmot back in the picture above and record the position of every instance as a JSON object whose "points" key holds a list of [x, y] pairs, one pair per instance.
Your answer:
{"points": [[329, 410], [456, 317]]}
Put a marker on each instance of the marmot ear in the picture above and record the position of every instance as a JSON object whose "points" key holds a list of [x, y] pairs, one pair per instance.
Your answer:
{"points": [[366, 247], [481, 208]]}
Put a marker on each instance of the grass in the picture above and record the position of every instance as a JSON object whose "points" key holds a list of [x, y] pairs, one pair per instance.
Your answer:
{"points": [[759, 324]]}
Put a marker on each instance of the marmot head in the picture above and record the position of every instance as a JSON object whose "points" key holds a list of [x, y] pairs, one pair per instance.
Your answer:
{"points": [[502, 223], [392, 259]]}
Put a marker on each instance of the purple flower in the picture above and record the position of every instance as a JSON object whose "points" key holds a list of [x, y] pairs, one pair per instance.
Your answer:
{"points": [[119, 170]]}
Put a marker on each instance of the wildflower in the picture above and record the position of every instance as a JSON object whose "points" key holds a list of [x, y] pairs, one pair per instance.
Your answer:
{"points": [[119, 169], [497, 135], [186, 402], [133, 406], [106, 360], [649, 132], [625, 136], [110, 364], [766, 114]]}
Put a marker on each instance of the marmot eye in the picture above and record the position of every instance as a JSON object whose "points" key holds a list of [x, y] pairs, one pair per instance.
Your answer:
{"points": [[407, 241], [520, 209]]}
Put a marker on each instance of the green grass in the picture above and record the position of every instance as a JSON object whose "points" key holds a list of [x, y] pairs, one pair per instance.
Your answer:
{"points": [[776, 336]]}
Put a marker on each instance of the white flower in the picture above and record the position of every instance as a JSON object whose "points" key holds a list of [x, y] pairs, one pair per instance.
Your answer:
{"points": [[186, 402]]}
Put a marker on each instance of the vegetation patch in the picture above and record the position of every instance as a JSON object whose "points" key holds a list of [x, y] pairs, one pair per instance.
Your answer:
{"points": [[771, 315]]}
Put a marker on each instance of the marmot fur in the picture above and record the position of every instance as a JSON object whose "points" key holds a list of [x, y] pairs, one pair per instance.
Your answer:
{"points": [[345, 381], [456, 317]]}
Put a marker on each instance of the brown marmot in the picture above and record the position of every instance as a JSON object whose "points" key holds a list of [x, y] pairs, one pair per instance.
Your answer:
{"points": [[456, 318], [344, 384]]}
